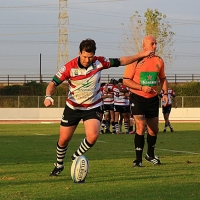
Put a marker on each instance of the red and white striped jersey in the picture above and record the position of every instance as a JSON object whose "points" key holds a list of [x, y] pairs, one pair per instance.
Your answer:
{"points": [[127, 97], [119, 97], [171, 94], [108, 100], [101, 91], [84, 83]]}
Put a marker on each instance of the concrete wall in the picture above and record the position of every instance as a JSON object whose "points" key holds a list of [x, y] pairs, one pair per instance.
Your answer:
{"points": [[48, 114], [31, 113], [183, 114]]}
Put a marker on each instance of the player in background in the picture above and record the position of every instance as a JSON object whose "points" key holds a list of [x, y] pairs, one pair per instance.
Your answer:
{"points": [[102, 116], [108, 100], [142, 79], [84, 101], [109, 105], [120, 95], [128, 110], [132, 127], [166, 110], [129, 114]]}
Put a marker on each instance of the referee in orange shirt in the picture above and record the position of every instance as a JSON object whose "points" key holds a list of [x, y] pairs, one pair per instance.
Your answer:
{"points": [[142, 79]]}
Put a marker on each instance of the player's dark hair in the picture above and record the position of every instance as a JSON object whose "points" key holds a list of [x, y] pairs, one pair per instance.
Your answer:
{"points": [[115, 82], [88, 45], [102, 84], [120, 80], [112, 80]]}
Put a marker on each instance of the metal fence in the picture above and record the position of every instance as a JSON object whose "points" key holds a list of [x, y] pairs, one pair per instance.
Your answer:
{"points": [[21, 79], [37, 101]]}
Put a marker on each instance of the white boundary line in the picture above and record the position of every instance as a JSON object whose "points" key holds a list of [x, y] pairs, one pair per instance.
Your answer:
{"points": [[188, 152], [170, 150], [175, 151], [101, 141]]}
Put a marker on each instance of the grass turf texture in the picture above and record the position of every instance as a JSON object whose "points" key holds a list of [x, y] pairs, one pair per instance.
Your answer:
{"points": [[29, 150]]}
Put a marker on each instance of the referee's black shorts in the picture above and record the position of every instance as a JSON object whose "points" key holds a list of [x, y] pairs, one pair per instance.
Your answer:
{"points": [[72, 117], [149, 107]]}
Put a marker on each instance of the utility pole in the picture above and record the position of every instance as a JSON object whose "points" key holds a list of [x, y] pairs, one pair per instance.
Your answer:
{"points": [[63, 54], [40, 68]]}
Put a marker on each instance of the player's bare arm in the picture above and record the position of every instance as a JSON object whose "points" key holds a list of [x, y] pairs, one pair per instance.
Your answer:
{"points": [[124, 90], [106, 96], [164, 87], [131, 59], [106, 89], [131, 84], [49, 91]]}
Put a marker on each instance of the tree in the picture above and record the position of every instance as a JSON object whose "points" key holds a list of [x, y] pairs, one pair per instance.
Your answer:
{"points": [[154, 23]]}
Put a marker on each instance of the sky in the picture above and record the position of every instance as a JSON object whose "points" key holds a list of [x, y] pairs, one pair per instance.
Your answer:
{"points": [[29, 29]]}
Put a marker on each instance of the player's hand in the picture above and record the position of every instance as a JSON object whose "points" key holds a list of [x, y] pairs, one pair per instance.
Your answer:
{"points": [[148, 53], [146, 89], [48, 101]]}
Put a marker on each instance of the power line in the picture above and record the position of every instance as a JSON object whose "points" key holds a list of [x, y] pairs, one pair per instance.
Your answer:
{"points": [[76, 27]]}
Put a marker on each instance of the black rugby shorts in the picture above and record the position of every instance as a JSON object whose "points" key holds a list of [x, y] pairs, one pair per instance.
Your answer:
{"points": [[73, 117], [166, 109], [149, 107]]}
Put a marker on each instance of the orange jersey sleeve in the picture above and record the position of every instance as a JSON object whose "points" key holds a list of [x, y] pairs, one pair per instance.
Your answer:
{"points": [[146, 73]]}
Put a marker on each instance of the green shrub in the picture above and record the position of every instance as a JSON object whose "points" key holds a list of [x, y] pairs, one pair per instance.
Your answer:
{"points": [[186, 89], [32, 89]]}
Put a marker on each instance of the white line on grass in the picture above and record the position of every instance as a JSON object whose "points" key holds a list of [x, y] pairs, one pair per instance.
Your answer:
{"points": [[171, 150], [101, 141], [175, 151]]}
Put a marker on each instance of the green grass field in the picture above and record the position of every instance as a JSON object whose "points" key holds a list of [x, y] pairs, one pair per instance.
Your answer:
{"points": [[28, 152]]}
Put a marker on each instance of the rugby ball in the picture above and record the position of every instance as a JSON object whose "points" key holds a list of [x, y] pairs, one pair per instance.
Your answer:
{"points": [[79, 169]]}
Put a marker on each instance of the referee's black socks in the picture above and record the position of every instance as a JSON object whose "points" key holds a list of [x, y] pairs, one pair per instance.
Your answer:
{"points": [[139, 146], [151, 141]]}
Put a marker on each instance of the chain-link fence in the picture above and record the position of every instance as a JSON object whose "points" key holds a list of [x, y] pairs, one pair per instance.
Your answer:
{"points": [[38, 101], [29, 101]]}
